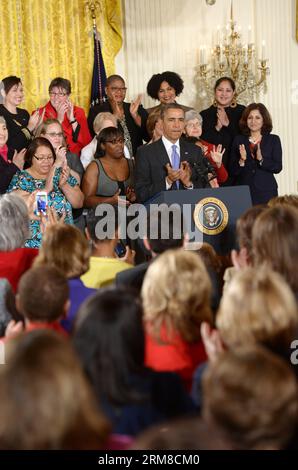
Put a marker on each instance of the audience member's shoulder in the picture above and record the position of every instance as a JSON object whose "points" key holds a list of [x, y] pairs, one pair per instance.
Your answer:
{"points": [[190, 146], [133, 277], [273, 137], [208, 111], [79, 110], [240, 107], [23, 112]]}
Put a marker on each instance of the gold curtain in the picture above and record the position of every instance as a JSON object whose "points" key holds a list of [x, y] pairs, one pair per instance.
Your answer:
{"points": [[44, 39]]}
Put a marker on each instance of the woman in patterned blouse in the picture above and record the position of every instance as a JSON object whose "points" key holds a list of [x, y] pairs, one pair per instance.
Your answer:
{"points": [[47, 173]]}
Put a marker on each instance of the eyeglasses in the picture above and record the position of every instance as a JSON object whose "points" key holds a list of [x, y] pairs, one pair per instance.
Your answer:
{"points": [[43, 158], [116, 88], [193, 126], [115, 141], [55, 134], [61, 94]]}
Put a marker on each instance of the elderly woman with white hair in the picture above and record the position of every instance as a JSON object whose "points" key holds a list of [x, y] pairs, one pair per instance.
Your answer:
{"points": [[193, 132], [101, 121], [14, 222], [10, 160]]}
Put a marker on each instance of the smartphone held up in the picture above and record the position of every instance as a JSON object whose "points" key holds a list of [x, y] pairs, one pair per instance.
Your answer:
{"points": [[41, 200], [120, 249]]}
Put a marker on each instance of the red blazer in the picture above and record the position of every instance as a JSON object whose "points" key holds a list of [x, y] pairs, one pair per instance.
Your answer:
{"points": [[174, 355], [14, 263], [75, 140]]}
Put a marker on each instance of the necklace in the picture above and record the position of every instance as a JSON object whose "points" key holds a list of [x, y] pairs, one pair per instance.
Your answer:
{"points": [[255, 141]]}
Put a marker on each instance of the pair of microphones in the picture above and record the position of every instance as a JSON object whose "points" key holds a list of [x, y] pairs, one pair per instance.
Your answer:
{"points": [[205, 170]]}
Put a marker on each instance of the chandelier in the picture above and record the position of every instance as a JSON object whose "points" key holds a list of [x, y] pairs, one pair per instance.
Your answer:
{"points": [[231, 58]]}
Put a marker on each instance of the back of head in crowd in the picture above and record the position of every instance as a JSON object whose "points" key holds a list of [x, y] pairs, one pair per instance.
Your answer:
{"points": [[258, 307], [7, 306], [184, 434], [244, 227], [43, 294], [109, 340], [103, 226], [176, 293], [165, 229], [14, 222], [250, 395], [287, 199], [274, 240], [46, 402], [64, 247]]}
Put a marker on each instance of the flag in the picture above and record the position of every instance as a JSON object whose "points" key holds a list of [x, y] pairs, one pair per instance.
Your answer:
{"points": [[99, 77]]}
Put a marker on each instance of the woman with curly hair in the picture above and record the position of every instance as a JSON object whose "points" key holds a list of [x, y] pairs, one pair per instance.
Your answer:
{"points": [[165, 87]]}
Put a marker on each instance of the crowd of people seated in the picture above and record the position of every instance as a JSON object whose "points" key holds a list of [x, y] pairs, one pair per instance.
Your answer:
{"points": [[154, 343]]}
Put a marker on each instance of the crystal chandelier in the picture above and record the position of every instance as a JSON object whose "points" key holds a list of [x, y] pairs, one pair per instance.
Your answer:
{"points": [[231, 58]]}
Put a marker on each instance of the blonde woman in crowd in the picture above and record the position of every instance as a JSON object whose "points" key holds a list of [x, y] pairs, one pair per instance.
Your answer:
{"points": [[176, 299], [274, 242], [257, 307], [250, 396], [288, 199]]}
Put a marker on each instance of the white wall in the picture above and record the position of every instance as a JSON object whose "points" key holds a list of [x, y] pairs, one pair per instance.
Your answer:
{"points": [[164, 35]]}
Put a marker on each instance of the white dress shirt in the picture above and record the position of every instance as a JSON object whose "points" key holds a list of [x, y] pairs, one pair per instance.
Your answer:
{"points": [[169, 149]]}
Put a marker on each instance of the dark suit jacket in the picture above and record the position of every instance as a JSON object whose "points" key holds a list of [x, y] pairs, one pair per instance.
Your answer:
{"points": [[132, 277], [258, 177], [137, 134], [226, 135], [151, 172]]}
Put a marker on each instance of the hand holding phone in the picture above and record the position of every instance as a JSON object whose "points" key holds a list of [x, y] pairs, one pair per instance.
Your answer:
{"points": [[120, 249]]}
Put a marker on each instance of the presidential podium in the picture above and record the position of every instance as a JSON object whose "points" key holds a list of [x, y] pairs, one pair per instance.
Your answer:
{"points": [[209, 214]]}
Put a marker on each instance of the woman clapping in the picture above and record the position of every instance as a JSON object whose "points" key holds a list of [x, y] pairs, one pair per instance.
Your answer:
{"points": [[47, 173]]}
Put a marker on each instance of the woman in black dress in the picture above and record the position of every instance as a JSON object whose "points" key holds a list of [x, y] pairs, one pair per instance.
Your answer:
{"points": [[221, 120]]}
